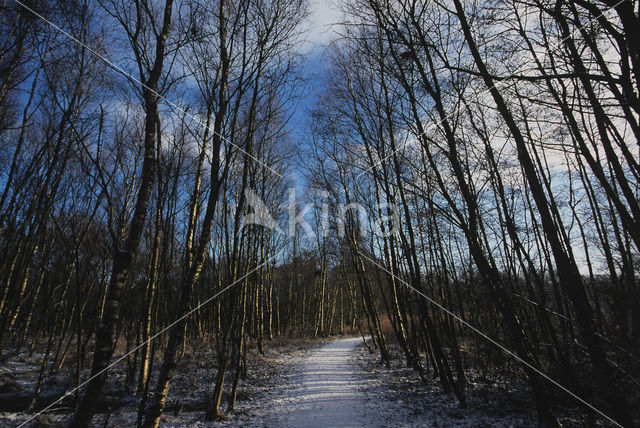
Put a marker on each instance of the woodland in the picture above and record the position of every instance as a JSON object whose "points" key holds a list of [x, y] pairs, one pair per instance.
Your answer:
{"points": [[467, 177]]}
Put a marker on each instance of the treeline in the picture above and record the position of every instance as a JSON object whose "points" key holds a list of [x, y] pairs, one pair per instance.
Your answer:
{"points": [[131, 133], [505, 134]]}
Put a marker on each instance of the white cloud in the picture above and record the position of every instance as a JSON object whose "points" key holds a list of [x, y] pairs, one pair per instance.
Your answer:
{"points": [[323, 20]]}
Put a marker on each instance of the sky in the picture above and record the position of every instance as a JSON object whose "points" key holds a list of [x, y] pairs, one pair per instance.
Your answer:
{"points": [[321, 25], [324, 14]]}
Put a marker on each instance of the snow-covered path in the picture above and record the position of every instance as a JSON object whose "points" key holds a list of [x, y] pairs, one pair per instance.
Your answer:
{"points": [[325, 392]]}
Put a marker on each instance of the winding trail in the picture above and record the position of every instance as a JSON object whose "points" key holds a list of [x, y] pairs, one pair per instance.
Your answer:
{"points": [[325, 392]]}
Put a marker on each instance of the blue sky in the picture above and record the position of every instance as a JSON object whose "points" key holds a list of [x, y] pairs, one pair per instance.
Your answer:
{"points": [[322, 22]]}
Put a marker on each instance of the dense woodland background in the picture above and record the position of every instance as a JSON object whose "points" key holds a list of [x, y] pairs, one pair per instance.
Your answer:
{"points": [[505, 133]]}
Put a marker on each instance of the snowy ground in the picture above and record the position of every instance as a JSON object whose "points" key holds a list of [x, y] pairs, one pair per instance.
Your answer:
{"points": [[325, 392], [319, 384]]}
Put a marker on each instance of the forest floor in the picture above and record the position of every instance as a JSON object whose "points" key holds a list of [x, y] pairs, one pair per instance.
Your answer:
{"points": [[299, 383]]}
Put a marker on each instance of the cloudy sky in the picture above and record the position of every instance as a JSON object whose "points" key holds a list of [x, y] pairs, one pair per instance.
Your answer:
{"points": [[324, 13], [321, 26]]}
